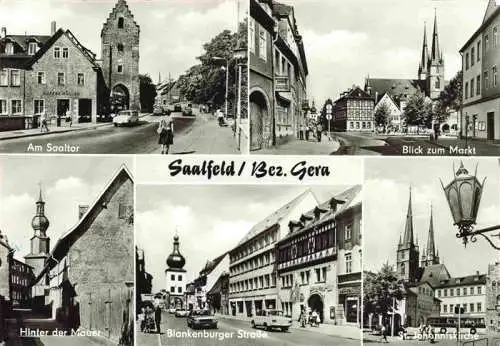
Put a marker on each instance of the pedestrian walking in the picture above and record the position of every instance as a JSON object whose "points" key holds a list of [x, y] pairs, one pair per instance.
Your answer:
{"points": [[69, 118], [301, 132], [220, 117], [166, 132], [302, 317], [383, 333], [319, 131], [308, 132], [43, 122]]}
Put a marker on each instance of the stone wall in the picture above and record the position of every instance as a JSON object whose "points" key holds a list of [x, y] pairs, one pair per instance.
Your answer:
{"points": [[4, 272]]}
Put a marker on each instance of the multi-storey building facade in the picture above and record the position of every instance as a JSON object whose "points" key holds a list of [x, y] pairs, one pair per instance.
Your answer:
{"points": [[21, 279], [278, 74], [310, 273], [252, 276], [143, 280], [58, 76], [211, 286], [353, 112], [480, 116], [6, 253], [492, 303], [468, 292]]}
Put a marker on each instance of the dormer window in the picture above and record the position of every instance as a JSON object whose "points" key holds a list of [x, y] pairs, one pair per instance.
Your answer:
{"points": [[120, 23], [32, 48], [9, 48]]}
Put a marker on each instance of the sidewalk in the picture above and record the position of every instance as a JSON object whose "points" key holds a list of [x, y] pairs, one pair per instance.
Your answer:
{"points": [[204, 137], [61, 129], [303, 147], [346, 332]]}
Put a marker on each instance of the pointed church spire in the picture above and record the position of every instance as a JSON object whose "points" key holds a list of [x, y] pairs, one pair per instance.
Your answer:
{"points": [[40, 198], [408, 236], [431, 246], [435, 53], [425, 51]]}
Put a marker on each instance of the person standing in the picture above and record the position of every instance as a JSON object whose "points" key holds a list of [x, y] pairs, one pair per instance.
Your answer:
{"points": [[43, 122], [69, 118], [220, 117], [319, 130], [166, 132], [158, 318]]}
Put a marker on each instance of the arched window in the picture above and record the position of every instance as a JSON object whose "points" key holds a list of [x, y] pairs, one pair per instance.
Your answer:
{"points": [[438, 83], [402, 269], [120, 23], [120, 47], [498, 300]]}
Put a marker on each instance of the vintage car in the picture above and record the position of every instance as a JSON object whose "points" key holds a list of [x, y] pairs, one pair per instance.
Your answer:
{"points": [[171, 310], [187, 110], [201, 319], [177, 107], [271, 319], [126, 118], [181, 313]]}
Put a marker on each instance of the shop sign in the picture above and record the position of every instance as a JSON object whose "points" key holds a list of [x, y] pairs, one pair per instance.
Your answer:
{"points": [[61, 93]]}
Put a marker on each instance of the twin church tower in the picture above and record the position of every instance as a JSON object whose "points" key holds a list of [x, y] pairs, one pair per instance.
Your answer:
{"points": [[409, 262]]}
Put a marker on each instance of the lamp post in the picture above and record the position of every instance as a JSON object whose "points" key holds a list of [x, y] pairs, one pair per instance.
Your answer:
{"points": [[463, 195]]}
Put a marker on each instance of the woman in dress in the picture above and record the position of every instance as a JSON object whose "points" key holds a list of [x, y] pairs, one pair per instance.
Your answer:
{"points": [[166, 132]]}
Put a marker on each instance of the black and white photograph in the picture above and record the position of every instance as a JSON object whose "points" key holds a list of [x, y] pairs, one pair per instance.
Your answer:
{"points": [[432, 251], [248, 265], [124, 77], [340, 78], [66, 251]]}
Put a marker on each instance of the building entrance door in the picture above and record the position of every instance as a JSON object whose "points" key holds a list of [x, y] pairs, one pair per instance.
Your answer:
{"points": [[84, 110], [62, 107], [490, 126], [316, 303]]}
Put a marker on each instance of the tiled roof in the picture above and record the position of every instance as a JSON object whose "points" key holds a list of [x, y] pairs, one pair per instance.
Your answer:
{"points": [[274, 218], [351, 197], [476, 279], [434, 274], [22, 40], [396, 88]]}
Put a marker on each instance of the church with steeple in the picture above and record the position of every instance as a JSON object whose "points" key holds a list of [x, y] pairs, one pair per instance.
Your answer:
{"points": [[430, 76]]}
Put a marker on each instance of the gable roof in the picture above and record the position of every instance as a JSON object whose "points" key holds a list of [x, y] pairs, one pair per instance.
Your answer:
{"points": [[434, 274], [397, 88], [275, 217], [119, 6], [64, 243], [59, 33], [492, 11], [388, 96], [355, 93], [351, 197]]}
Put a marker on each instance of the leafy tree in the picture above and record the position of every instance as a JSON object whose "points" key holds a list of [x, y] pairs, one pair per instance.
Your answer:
{"points": [[380, 289], [148, 92], [418, 110], [205, 82], [450, 98], [382, 114]]}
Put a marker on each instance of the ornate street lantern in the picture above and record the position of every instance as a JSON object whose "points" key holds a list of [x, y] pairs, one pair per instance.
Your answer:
{"points": [[463, 195]]}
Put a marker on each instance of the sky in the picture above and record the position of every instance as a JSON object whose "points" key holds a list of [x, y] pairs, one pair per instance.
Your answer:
{"points": [[384, 222], [347, 40], [172, 31], [210, 220], [67, 182]]}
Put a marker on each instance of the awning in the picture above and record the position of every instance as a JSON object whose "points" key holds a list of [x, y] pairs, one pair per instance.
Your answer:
{"points": [[285, 96]]}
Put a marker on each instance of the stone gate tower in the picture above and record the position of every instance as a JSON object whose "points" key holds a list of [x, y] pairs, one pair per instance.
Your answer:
{"points": [[120, 57]]}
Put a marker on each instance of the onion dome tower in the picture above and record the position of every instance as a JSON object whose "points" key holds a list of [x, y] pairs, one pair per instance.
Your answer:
{"points": [[176, 277], [40, 243]]}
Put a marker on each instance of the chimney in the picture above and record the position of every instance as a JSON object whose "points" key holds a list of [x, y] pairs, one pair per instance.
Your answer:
{"points": [[53, 27], [82, 209], [3, 33]]}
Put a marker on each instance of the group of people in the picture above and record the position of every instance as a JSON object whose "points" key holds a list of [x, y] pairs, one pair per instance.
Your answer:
{"points": [[44, 120], [310, 130], [312, 318], [150, 317]]}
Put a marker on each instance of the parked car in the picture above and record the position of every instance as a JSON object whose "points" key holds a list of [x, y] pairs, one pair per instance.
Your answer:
{"points": [[158, 110], [181, 313], [201, 319], [171, 310], [177, 107], [187, 110], [270, 319], [126, 118]]}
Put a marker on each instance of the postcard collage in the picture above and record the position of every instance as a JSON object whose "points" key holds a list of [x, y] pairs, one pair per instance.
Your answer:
{"points": [[249, 172]]}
